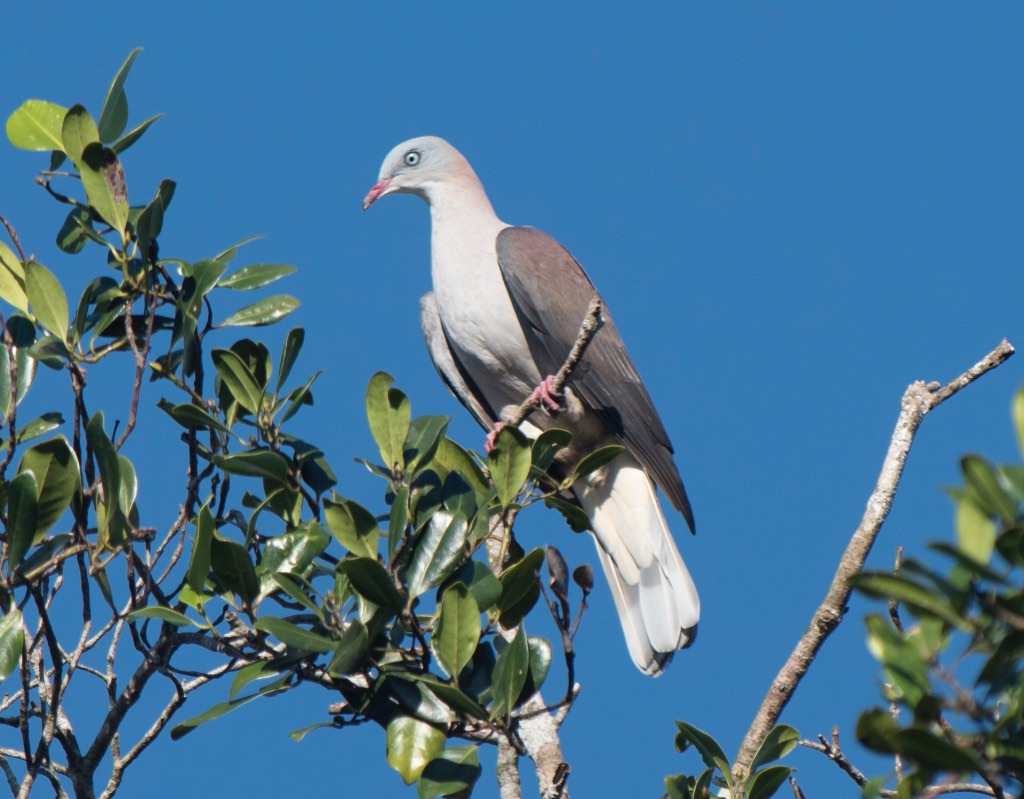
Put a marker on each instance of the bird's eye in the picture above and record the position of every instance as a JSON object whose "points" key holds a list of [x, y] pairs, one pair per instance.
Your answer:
{"points": [[412, 158]]}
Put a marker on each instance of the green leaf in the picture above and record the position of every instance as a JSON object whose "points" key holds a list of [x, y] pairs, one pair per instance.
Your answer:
{"points": [[454, 697], [450, 457], [933, 751], [265, 312], [256, 276], [260, 670], [103, 179], [439, 552], [21, 517], [985, 490], [231, 563], [36, 125], [47, 298], [779, 742], [289, 352], [256, 463], [482, 584], [294, 636], [12, 279], [294, 552], [595, 460], [520, 588], [199, 563], [710, 752], [1018, 418], [767, 782], [192, 417], [55, 467], [351, 650], [21, 330], [76, 232], [547, 445], [417, 699], [77, 132], [975, 530], [215, 712], [354, 527], [458, 630], [509, 462], [916, 597], [398, 520], [239, 379], [540, 665], [40, 426], [388, 412], [151, 221], [114, 116], [411, 744], [422, 440], [510, 675], [373, 582], [163, 614], [453, 772], [573, 514], [12, 639], [133, 135], [113, 528]]}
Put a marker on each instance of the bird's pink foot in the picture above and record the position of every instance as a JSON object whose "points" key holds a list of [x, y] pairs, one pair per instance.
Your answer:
{"points": [[545, 396], [489, 441]]}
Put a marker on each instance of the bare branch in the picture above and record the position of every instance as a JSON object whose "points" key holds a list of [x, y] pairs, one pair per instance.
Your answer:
{"points": [[918, 400]]}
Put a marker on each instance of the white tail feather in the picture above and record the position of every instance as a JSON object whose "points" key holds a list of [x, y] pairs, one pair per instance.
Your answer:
{"points": [[654, 594]]}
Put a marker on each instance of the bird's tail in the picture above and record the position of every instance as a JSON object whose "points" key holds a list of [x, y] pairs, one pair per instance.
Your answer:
{"points": [[656, 599]]}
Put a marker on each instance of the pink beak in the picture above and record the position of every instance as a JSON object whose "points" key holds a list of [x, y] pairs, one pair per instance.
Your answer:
{"points": [[379, 188]]}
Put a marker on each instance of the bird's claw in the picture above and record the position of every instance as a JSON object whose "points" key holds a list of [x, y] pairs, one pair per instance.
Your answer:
{"points": [[547, 397], [489, 441]]}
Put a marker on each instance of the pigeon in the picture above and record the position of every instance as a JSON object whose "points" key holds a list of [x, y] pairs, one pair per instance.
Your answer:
{"points": [[505, 310]]}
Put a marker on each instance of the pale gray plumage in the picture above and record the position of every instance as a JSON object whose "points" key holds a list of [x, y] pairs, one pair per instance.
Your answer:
{"points": [[505, 310]]}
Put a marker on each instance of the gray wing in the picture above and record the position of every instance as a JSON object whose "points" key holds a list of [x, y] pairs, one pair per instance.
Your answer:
{"points": [[458, 382], [551, 294]]}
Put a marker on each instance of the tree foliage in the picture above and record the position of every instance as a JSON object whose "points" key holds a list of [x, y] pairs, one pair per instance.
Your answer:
{"points": [[267, 571]]}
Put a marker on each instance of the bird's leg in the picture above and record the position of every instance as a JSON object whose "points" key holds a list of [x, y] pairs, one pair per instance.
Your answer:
{"points": [[545, 396], [489, 441]]}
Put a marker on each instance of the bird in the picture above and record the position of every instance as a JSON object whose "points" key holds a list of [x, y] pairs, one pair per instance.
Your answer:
{"points": [[506, 305]]}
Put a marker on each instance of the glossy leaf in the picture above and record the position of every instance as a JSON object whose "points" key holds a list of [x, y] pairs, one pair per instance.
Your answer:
{"points": [[215, 712], [422, 440], [151, 221], [133, 135], [710, 752], [114, 116], [453, 772], [239, 379], [388, 412], [595, 460], [12, 279], [78, 131], [112, 529], [354, 527], [55, 468], [265, 312], [540, 665], [417, 699], [21, 517], [350, 651], [103, 179], [76, 232], [458, 630], [450, 457], [256, 463], [192, 417], [439, 552], [36, 125], [510, 675], [199, 563], [779, 742], [289, 353], [256, 276], [398, 520], [891, 586], [161, 613], [481, 582], [411, 744], [520, 588], [767, 782], [547, 445], [372, 581], [294, 551], [293, 636], [39, 426], [231, 563], [509, 462], [12, 639], [47, 299], [23, 333]]}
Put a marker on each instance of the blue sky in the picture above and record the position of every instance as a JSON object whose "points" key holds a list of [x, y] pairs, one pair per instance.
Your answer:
{"points": [[793, 210]]}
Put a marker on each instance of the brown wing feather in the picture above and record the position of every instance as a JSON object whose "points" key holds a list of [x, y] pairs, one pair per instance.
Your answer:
{"points": [[551, 294]]}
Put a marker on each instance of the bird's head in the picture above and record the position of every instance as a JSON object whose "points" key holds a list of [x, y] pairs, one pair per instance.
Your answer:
{"points": [[417, 166]]}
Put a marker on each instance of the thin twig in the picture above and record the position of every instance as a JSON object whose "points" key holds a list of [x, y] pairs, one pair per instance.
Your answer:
{"points": [[592, 322], [918, 400]]}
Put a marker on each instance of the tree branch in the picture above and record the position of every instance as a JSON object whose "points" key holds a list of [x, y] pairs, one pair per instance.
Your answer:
{"points": [[917, 401]]}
